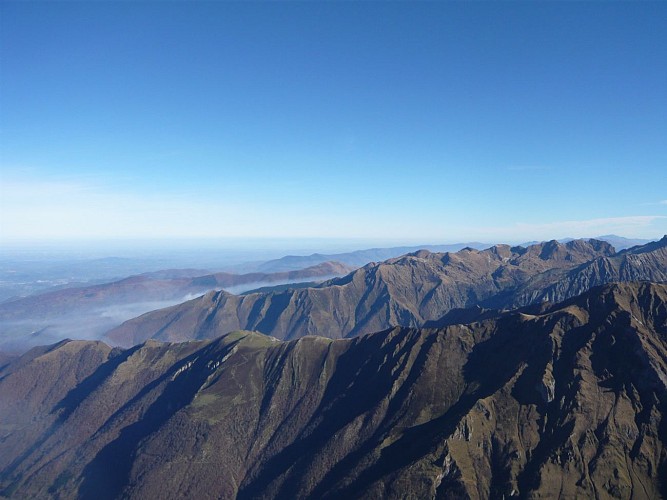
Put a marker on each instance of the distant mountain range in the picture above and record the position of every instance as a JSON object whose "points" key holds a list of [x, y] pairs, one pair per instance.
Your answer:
{"points": [[90, 311], [552, 401], [357, 258], [360, 258], [621, 243], [413, 290], [618, 242]]}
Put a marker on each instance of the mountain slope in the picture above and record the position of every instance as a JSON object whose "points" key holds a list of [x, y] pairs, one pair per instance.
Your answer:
{"points": [[407, 291], [647, 262], [88, 312], [569, 402]]}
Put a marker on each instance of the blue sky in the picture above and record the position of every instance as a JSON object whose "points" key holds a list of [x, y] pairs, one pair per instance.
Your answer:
{"points": [[431, 122]]}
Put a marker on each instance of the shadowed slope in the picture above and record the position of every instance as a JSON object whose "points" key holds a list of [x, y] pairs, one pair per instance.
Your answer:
{"points": [[566, 402]]}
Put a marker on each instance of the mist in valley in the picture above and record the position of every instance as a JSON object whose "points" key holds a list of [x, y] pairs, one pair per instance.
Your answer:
{"points": [[93, 323]]}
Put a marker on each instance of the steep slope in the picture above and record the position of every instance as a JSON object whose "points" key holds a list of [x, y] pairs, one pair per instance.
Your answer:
{"points": [[647, 262], [407, 291], [569, 402], [88, 312]]}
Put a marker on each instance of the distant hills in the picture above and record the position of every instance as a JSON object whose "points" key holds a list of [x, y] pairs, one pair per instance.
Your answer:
{"points": [[21, 276], [90, 311], [356, 258], [411, 291], [621, 243], [618, 242], [558, 400]]}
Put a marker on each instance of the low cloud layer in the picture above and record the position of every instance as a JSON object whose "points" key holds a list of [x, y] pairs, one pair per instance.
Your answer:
{"points": [[94, 323]]}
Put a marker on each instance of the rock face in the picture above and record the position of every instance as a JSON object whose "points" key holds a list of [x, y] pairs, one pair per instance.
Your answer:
{"points": [[558, 401], [408, 291], [645, 263]]}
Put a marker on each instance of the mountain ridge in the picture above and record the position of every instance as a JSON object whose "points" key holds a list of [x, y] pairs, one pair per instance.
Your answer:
{"points": [[410, 290], [362, 257], [92, 310], [566, 402]]}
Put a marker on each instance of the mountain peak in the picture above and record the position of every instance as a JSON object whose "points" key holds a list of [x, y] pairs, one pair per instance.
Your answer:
{"points": [[550, 249], [422, 254]]}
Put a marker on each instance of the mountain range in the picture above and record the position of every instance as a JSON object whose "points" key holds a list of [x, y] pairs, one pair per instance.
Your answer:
{"points": [[90, 311], [356, 258], [359, 258], [553, 400], [413, 290]]}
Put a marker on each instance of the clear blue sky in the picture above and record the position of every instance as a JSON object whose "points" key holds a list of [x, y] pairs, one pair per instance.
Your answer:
{"points": [[435, 122]]}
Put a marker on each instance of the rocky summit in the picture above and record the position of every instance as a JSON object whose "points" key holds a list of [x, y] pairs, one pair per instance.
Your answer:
{"points": [[557, 400]]}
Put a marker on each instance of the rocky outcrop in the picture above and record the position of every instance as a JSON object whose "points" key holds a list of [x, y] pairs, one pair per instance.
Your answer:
{"points": [[646, 263]]}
